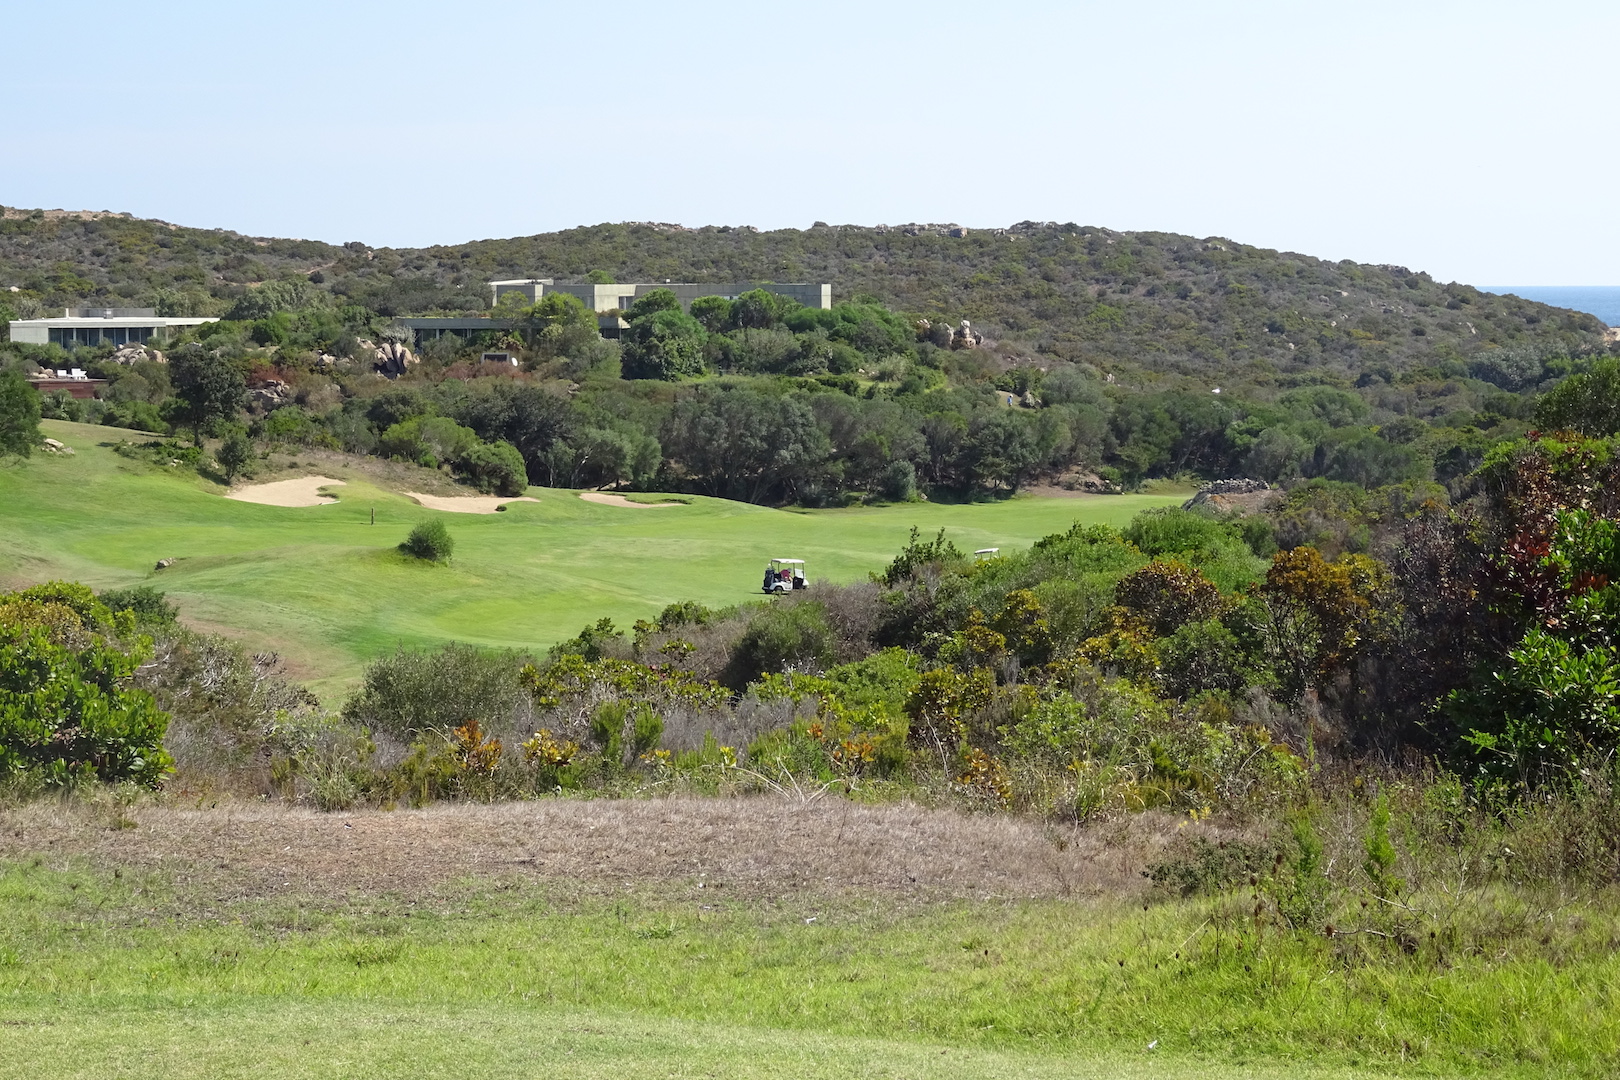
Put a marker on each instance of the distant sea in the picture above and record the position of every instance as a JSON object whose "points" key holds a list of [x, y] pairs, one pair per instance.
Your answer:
{"points": [[1600, 300]]}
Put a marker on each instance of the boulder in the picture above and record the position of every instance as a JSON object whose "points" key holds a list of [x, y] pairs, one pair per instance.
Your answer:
{"points": [[393, 358], [163, 564], [1238, 496], [965, 337], [131, 354], [271, 394], [52, 446], [1244, 486], [1088, 482], [938, 333]]}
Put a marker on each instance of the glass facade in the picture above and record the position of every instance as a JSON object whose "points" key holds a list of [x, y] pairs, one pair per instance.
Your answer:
{"points": [[69, 336]]}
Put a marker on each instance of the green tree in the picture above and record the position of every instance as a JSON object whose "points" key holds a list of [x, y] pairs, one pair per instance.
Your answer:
{"points": [[652, 303], [234, 453], [1001, 449], [495, 467], [1588, 403], [410, 692], [782, 637], [741, 444], [19, 415], [663, 344], [1170, 530], [713, 312], [210, 390], [758, 309], [511, 305], [561, 325], [427, 440]]}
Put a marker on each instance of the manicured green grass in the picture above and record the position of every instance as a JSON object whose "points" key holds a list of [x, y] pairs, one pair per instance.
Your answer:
{"points": [[134, 975], [327, 589], [207, 1040]]}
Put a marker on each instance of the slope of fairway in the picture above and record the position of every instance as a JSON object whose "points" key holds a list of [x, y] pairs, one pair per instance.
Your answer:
{"points": [[326, 588]]}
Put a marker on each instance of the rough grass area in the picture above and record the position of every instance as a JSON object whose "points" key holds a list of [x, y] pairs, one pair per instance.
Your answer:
{"points": [[755, 937], [326, 588]]}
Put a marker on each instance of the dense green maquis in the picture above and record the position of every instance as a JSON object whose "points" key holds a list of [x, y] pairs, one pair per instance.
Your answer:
{"points": [[1188, 661], [885, 434], [69, 709], [1071, 291], [1095, 358]]}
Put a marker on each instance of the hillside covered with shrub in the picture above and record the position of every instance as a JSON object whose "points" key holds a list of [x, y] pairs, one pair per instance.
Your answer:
{"points": [[1160, 301]]}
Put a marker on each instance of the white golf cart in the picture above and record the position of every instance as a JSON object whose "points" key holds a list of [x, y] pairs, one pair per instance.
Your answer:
{"points": [[785, 575]]}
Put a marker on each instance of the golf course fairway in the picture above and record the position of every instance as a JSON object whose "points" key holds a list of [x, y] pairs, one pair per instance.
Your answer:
{"points": [[328, 590]]}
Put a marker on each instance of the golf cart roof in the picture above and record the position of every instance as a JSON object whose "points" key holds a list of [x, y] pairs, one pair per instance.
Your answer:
{"points": [[986, 551], [793, 562]]}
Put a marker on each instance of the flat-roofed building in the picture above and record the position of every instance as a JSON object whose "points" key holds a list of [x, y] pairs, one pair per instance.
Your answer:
{"points": [[605, 298], [75, 382], [100, 326], [465, 327]]}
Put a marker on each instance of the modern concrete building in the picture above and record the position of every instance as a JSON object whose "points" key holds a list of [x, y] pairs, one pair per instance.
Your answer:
{"points": [[429, 328], [603, 298], [99, 326]]}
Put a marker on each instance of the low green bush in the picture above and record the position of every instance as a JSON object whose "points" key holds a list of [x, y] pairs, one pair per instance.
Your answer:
{"points": [[779, 637], [412, 692], [68, 708], [150, 607], [430, 541], [1199, 866]]}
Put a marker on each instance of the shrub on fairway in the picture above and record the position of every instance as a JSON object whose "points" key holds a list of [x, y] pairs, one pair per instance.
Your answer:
{"points": [[430, 540]]}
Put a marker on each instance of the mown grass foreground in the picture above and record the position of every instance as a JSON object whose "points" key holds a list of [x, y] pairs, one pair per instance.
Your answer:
{"points": [[327, 589], [132, 972]]}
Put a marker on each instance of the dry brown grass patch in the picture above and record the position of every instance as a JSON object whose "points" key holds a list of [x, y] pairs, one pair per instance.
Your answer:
{"points": [[763, 846]]}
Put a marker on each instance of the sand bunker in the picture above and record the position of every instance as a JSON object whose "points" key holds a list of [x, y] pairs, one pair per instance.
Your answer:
{"points": [[466, 504], [607, 498], [303, 491]]}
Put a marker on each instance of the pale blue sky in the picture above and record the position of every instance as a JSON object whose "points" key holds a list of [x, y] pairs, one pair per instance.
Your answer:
{"points": [[1479, 141]]}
